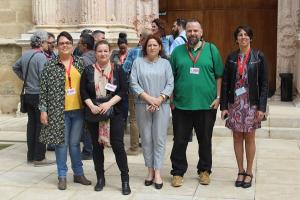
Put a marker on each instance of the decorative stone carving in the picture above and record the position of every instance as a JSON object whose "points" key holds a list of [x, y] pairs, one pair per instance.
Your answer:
{"points": [[286, 37], [146, 11]]}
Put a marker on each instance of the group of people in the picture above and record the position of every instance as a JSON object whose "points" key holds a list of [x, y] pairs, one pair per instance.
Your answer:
{"points": [[183, 75]]}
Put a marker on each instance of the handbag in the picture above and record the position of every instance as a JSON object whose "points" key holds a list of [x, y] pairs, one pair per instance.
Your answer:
{"points": [[22, 95], [91, 117]]}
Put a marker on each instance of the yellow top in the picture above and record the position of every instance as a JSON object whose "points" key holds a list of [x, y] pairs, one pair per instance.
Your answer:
{"points": [[72, 95]]}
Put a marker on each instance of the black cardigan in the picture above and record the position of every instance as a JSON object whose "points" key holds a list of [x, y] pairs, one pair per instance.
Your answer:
{"points": [[87, 85]]}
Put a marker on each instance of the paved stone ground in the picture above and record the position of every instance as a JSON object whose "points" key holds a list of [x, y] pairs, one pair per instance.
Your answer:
{"points": [[276, 175]]}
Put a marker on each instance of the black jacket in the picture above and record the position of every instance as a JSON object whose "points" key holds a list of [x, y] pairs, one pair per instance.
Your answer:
{"points": [[257, 80], [87, 85]]}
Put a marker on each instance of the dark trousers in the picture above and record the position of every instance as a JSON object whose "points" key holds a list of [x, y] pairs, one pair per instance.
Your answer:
{"points": [[87, 148], [117, 144], [183, 122], [36, 150]]}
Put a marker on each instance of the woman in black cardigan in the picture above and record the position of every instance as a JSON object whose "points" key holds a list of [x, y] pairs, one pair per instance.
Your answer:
{"points": [[94, 82]]}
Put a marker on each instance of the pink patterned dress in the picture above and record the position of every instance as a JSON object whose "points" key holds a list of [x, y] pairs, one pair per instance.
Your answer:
{"points": [[242, 116]]}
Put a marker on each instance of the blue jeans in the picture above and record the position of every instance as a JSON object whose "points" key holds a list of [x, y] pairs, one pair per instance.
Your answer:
{"points": [[73, 130]]}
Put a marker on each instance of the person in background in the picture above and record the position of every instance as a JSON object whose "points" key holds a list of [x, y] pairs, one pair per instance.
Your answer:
{"points": [[76, 51], [152, 83], [158, 29], [61, 109], [179, 28], [244, 100], [86, 46], [132, 55], [35, 60], [94, 81], [118, 57], [198, 70], [98, 36]]}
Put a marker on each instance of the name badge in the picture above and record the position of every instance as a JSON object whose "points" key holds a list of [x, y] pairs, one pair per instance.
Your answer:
{"points": [[110, 87], [194, 70], [71, 91], [240, 91]]}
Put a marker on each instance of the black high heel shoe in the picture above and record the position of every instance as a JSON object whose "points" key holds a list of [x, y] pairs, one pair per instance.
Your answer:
{"points": [[240, 183], [100, 184], [247, 184], [148, 182], [158, 185]]}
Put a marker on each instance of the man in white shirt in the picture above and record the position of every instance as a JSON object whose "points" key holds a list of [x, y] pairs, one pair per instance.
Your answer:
{"points": [[179, 26]]}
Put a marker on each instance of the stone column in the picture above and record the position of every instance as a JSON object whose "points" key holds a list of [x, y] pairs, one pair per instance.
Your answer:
{"points": [[44, 12], [288, 23], [146, 11]]}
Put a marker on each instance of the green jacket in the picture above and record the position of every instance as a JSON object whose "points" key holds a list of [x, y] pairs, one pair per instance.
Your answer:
{"points": [[52, 99]]}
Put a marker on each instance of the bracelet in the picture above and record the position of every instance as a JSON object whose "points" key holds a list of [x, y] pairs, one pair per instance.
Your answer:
{"points": [[218, 97], [163, 96]]}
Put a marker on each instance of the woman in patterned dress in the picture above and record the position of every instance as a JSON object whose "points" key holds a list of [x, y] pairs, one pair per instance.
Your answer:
{"points": [[244, 100]]}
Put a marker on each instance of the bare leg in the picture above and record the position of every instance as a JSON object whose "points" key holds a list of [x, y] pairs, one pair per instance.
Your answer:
{"points": [[157, 178], [238, 144], [250, 153], [150, 174]]}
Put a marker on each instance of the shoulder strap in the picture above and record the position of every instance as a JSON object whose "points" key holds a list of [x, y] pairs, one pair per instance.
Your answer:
{"points": [[183, 38], [25, 79], [212, 55]]}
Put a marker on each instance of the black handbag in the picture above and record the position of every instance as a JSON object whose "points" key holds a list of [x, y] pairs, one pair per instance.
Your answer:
{"points": [[22, 95], [91, 117]]}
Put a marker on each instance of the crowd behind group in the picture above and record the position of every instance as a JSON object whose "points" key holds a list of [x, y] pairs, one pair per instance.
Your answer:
{"points": [[85, 94]]}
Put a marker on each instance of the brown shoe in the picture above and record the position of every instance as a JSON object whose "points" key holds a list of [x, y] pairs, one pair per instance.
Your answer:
{"points": [[62, 183], [177, 181], [132, 152], [204, 178], [43, 163], [82, 180]]}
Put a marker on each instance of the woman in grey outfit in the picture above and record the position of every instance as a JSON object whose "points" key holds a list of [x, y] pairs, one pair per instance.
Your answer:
{"points": [[152, 83]]}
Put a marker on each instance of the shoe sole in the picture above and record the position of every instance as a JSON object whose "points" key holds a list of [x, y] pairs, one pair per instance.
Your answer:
{"points": [[43, 165]]}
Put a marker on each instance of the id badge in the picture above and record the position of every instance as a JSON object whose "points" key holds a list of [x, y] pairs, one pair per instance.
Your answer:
{"points": [[71, 91], [240, 91], [194, 70], [110, 87]]}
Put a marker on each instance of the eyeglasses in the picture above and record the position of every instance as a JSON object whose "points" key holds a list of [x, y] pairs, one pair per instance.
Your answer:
{"points": [[51, 42], [64, 43]]}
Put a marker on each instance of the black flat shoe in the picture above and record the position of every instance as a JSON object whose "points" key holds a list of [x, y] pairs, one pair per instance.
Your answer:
{"points": [[247, 184], [99, 185], [158, 185], [126, 188], [240, 183], [148, 183]]}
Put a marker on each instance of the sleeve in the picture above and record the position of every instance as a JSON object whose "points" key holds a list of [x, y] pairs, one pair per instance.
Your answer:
{"points": [[218, 64], [41, 61], [225, 86], [263, 83], [134, 83], [83, 86], [128, 62], [173, 63], [17, 68], [175, 43], [169, 80], [123, 83], [43, 103], [166, 46]]}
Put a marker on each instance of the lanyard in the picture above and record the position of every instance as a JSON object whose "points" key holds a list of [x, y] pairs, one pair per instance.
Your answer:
{"points": [[241, 67], [194, 60], [69, 73], [98, 68]]}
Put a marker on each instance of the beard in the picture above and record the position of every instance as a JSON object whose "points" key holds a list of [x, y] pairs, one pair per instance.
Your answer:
{"points": [[193, 40], [175, 33]]}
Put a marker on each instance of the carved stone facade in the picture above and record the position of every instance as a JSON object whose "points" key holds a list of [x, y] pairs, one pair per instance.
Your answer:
{"points": [[287, 36], [20, 18]]}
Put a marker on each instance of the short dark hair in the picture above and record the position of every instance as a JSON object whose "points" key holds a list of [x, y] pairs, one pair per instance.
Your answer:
{"points": [[158, 40], [161, 26], [102, 42], [246, 28], [88, 40], [64, 34], [86, 31], [193, 20], [97, 32], [50, 35], [181, 22], [122, 38]]}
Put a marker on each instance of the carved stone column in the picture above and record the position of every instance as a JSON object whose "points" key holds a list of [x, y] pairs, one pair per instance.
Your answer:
{"points": [[146, 11], [288, 23]]}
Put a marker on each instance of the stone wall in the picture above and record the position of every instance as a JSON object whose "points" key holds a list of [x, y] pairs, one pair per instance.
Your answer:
{"points": [[16, 18]]}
